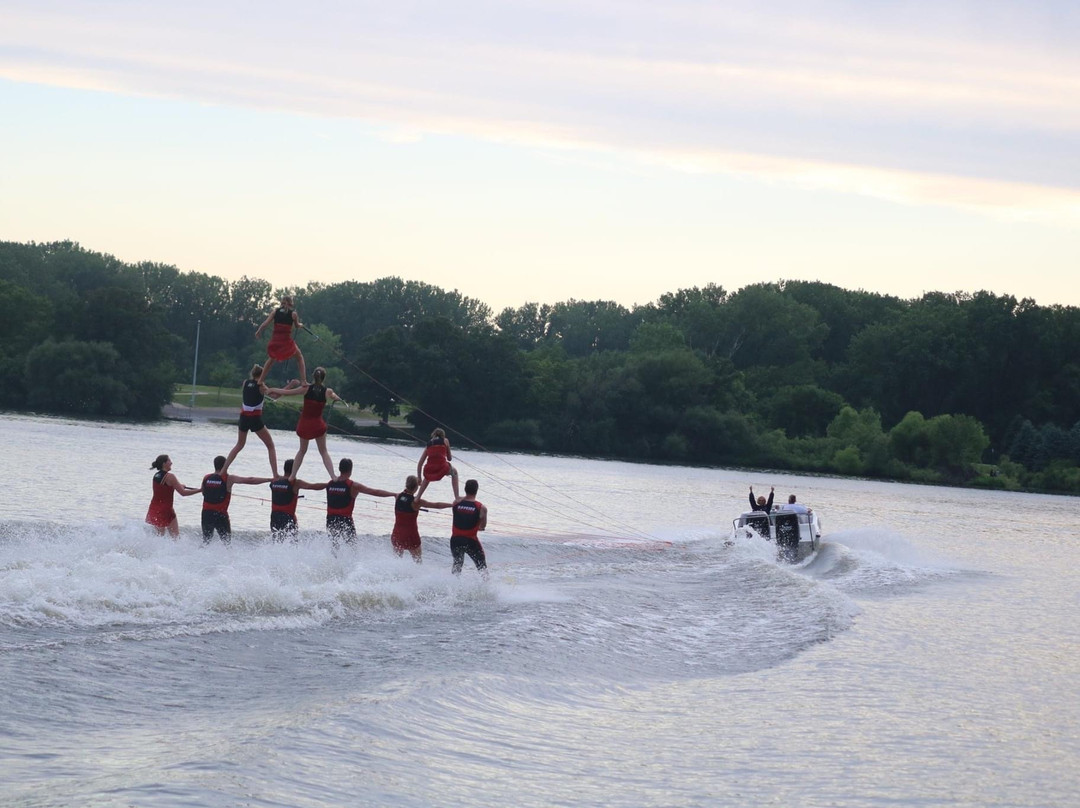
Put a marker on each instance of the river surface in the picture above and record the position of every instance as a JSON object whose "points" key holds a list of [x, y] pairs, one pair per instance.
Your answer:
{"points": [[621, 653]]}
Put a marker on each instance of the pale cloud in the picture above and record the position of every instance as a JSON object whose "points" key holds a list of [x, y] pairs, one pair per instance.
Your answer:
{"points": [[977, 112]]}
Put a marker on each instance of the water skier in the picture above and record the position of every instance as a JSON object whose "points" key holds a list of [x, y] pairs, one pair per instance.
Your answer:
{"points": [[217, 494], [161, 514], [282, 346], [434, 463], [407, 505], [470, 517], [284, 497], [251, 408], [341, 493], [311, 425]]}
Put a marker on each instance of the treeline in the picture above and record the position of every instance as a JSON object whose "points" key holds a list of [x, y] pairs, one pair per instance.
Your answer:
{"points": [[800, 375]]}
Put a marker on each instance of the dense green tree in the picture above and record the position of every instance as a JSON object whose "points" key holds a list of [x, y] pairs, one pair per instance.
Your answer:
{"points": [[30, 318], [698, 313], [585, 327], [909, 440], [956, 442], [860, 430], [844, 313], [382, 374], [802, 410], [81, 378], [355, 310], [718, 437], [909, 362], [526, 325], [767, 328], [678, 304], [222, 370], [657, 337], [1026, 446], [122, 317]]}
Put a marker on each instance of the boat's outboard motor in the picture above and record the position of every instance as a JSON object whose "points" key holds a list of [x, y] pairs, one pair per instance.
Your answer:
{"points": [[787, 536], [760, 524]]}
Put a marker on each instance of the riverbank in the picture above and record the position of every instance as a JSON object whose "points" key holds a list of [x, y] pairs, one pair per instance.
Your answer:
{"points": [[228, 415]]}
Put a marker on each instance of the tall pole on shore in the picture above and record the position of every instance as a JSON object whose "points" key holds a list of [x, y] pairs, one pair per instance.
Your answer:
{"points": [[195, 371]]}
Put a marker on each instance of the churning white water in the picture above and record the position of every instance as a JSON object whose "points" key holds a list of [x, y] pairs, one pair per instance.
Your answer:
{"points": [[621, 653]]}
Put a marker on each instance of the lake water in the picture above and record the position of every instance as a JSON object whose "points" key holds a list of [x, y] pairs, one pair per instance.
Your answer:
{"points": [[620, 654]]}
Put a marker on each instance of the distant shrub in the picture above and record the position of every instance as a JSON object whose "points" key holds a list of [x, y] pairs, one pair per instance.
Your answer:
{"points": [[848, 461], [674, 447]]}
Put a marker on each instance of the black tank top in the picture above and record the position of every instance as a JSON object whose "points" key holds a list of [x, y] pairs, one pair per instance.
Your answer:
{"points": [[316, 392], [283, 317], [252, 395], [404, 502]]}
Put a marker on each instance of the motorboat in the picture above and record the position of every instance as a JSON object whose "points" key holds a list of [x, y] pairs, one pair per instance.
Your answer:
{"points": [[796, 532]]}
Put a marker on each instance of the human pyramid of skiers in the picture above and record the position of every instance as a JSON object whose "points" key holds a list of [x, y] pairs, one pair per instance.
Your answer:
{"points": [[469, 515]]}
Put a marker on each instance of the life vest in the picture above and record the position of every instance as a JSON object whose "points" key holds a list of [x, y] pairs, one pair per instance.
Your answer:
{"points": [[215, 491], [467, 518], [404, 503], [163, 494], [404, 512], [339, 498], [283, 496]]}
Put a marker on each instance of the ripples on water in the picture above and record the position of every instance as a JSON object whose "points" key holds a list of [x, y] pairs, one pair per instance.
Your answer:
{"points": [[593, 668]]}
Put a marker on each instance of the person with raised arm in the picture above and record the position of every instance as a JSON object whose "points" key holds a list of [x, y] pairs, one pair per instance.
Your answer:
{"points": [[161, 515], [217, 494], [312, 425], [406, 533], [284, 497], [761, 504], [282, 345], [434, 463], [341, 493], [252, 395]]}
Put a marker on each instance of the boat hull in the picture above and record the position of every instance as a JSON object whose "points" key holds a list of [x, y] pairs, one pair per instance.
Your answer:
{"points": [[796, 534]]}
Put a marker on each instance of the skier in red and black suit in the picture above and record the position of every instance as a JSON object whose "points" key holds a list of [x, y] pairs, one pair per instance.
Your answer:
{"points": [[407, 505], [161, 514], [251, 410], [311, 425], [470, 517], [284, 495], [282, 346], [217, 494], [341, 495], [434, 463]]}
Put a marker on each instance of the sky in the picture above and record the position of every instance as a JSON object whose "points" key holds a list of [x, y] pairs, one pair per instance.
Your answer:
{"points": [[544, 150]]}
